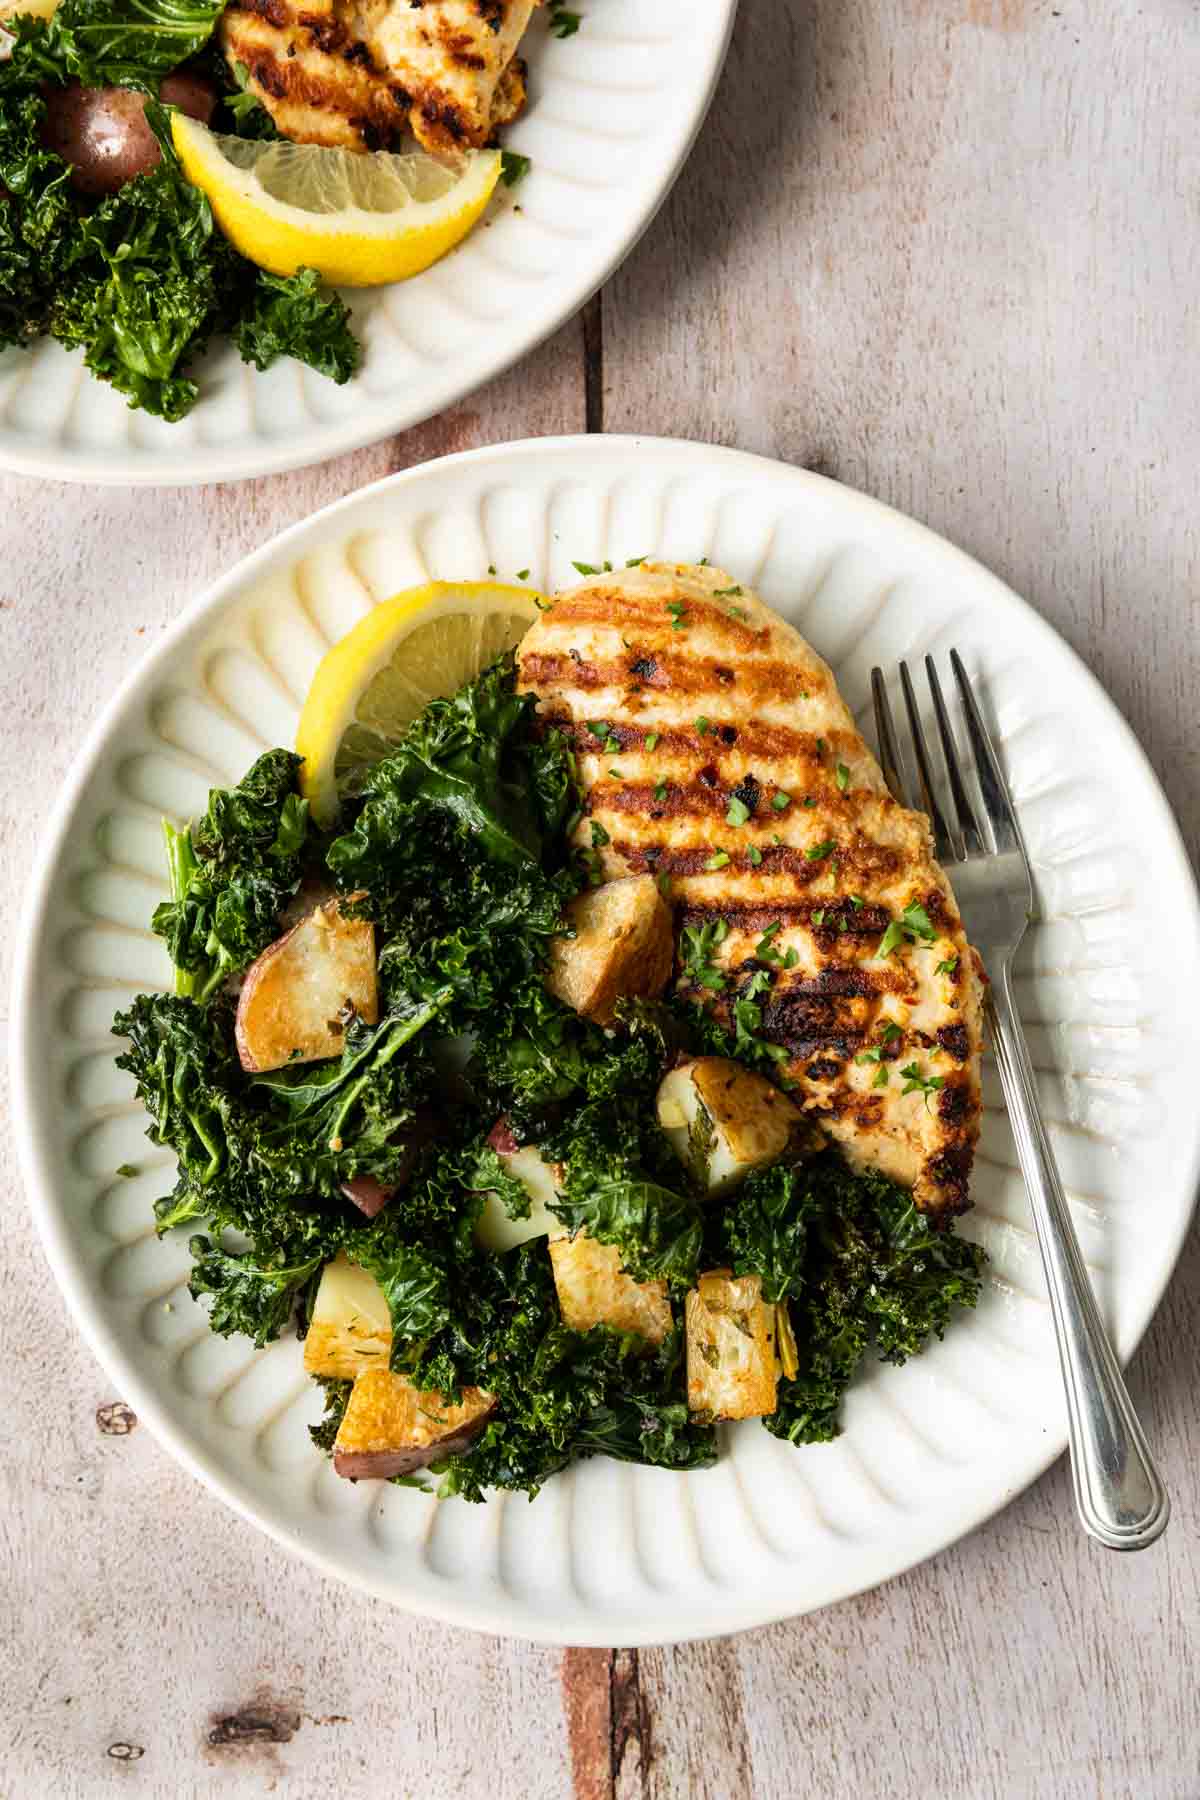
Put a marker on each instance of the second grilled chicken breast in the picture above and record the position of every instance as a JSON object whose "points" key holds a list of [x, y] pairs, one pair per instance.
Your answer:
{"points": [[717, 754], [355, 74]]}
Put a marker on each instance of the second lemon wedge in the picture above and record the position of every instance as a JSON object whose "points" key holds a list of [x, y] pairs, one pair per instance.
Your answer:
{"points": [[360, 221], [420, 645]]}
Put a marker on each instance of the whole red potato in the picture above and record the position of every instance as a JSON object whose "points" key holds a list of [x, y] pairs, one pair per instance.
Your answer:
{"points": [[103, 134]]}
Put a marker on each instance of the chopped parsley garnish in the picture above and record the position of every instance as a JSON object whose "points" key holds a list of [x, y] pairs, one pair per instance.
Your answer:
{"points": [[600, 837], [809, 800], [842, 777], [916, 1083], [765, 949], [634, 562], [755, 855], [913, 926], [702, 725], [616, 773], [818, 918], [738, 812], [881, 1076], [717, 860], [678, 614], [127, 1170], [491, 568], [781, 802], [593, 568], [734, 593], [660, 791], [821, 746], [948, 967], [563, 22], [522, 574], [857, 902], [696, 946], [818, 852], [513, 167], [652, 740]]}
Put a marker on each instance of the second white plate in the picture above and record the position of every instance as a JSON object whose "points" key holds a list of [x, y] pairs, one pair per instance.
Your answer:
{"points": [[612, 114], [608, 1553]]}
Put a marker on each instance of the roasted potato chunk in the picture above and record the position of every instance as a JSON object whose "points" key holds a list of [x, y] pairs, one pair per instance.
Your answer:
{"points": [[494, 1229], [623, 948], [351, 1327], [390, 1427], [593, 1289], [295, 999], [724, 1121], [731, 1364]]}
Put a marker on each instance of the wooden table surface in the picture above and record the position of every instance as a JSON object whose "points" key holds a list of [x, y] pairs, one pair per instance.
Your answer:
{"points": [[947, 251]]}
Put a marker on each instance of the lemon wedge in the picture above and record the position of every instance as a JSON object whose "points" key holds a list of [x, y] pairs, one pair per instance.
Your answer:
{"points": [[358, 220], [421, 644]]}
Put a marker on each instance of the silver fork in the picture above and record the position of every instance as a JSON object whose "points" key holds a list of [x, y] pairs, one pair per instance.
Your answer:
{"points": [[1118, 1489]]}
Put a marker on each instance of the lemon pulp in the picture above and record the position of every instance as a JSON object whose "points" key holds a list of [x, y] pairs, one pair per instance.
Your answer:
{"points": [[358, 220], [418, 646]]}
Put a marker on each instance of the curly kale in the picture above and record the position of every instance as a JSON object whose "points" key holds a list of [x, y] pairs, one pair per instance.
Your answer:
{"points": [[115, 43], [875, 1276], [232, 873], [290, 315]]}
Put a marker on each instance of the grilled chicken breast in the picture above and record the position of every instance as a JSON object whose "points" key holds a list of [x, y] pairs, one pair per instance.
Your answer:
{"points": [[355, 74], [716, 753]]}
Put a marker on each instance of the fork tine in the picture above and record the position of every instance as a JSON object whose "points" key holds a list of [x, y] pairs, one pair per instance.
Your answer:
{"points": [[992, 785], [973, 843], [944, 844], [885, 736]]}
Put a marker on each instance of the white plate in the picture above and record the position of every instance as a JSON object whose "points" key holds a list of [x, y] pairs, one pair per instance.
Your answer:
{"points": [[610, 1554], [613, 112]]}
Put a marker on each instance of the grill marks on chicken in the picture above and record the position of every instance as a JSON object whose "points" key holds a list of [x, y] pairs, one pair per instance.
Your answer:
{"points": [[355, 74], [715, 751]]}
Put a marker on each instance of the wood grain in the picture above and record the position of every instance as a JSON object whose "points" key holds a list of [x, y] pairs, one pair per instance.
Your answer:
{"points": [[947, 250]]}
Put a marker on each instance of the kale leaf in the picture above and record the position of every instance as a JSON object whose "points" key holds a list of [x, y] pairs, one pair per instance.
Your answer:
{"points": [[232, 874], [657, 1230], [464, 770], [121, 43], [290, 315], [336, 1396], [763, 1229], [877, 1275], [249, 1296]]}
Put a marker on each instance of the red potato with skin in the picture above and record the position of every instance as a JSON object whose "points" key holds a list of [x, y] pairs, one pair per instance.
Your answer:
{"points": [[368, 1193], [296, 996], [392, 1428], [103, 133]]}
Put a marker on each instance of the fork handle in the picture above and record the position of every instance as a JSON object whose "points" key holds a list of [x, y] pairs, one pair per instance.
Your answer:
{"points": [[1118, 1490]]}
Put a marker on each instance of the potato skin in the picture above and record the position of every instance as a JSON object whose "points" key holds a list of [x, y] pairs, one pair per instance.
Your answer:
{"points": [[392, 1428], [381, 1465], [368, 1193], [103, 134], [293, 993]]}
